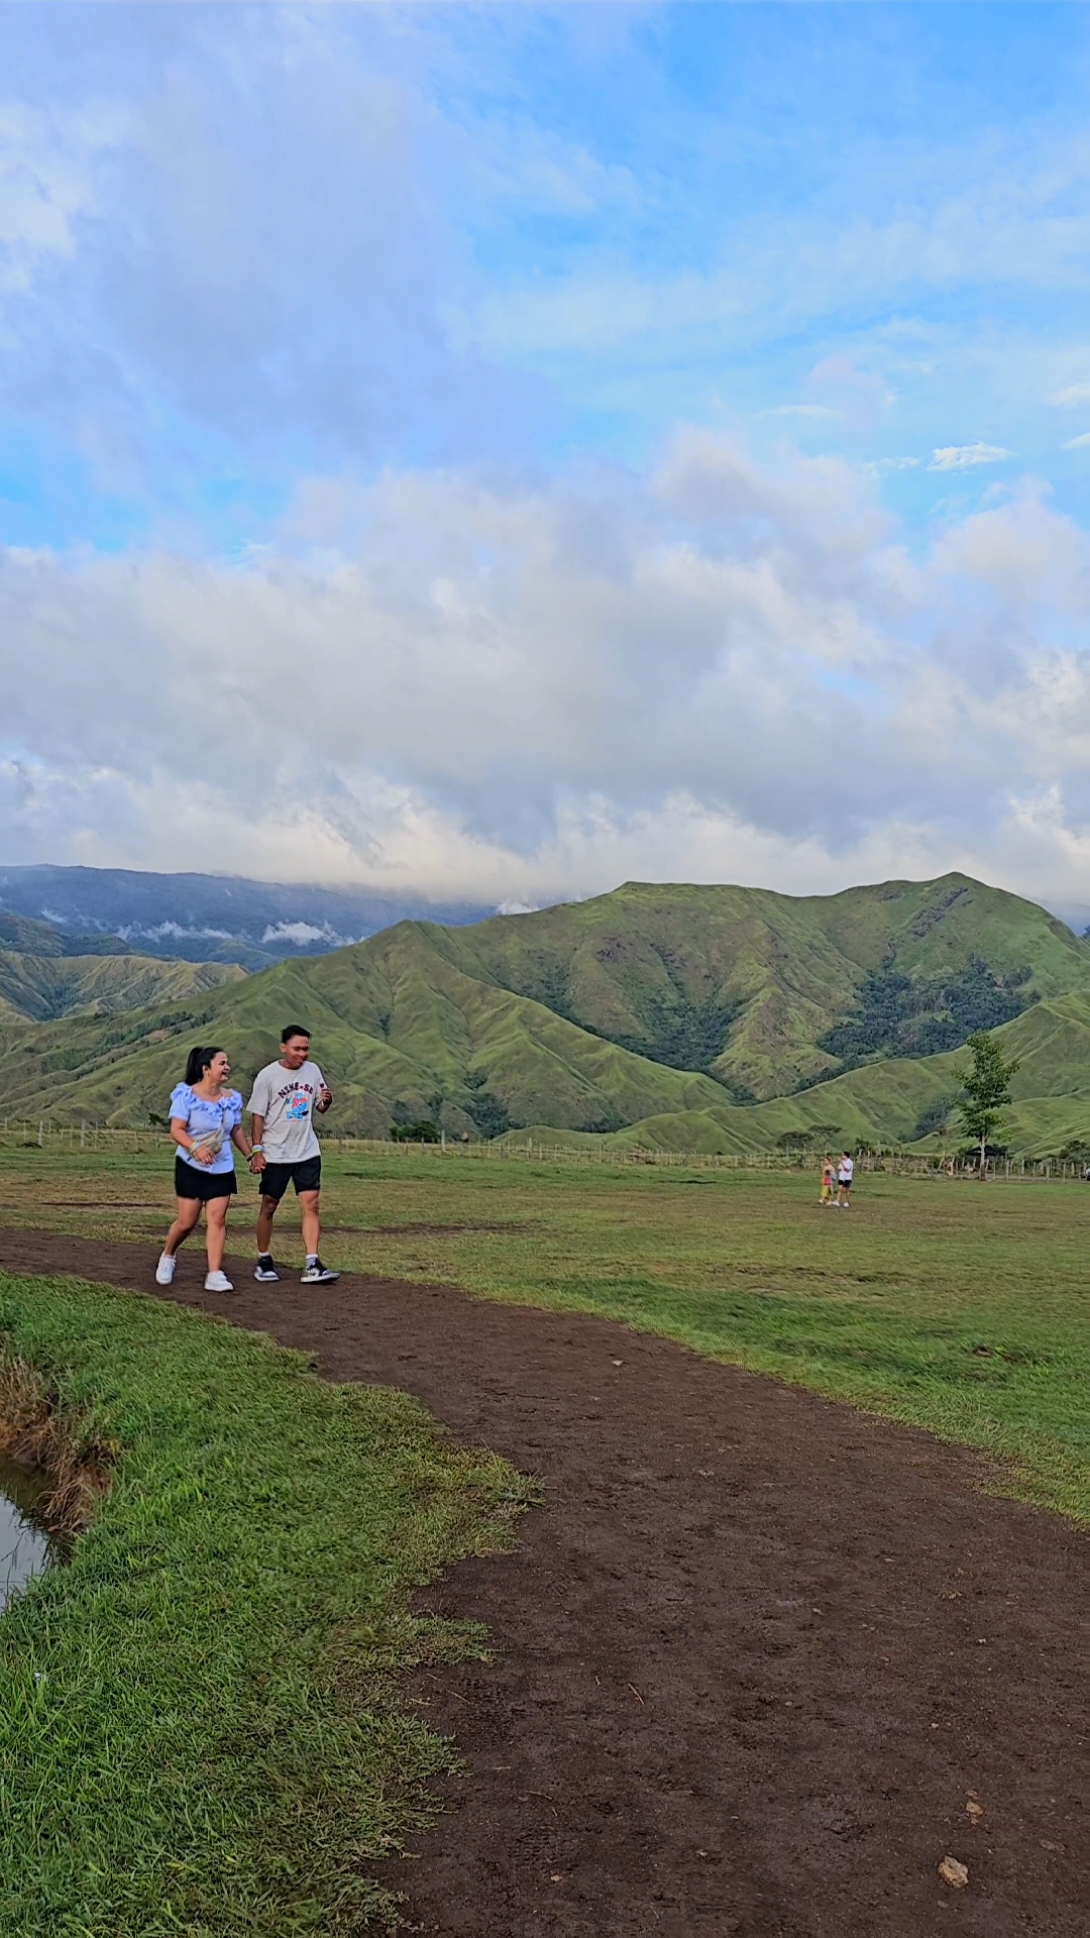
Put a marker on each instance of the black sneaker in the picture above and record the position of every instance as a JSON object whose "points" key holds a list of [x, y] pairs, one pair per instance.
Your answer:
{"points": [[266, 1272], [318, 1274]]}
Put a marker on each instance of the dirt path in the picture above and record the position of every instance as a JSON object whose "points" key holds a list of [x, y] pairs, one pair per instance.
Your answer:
{"points": [[753, 1657]]}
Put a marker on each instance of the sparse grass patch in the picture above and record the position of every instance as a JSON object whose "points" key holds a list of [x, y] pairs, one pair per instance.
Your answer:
{"points": [[200, 1728]]}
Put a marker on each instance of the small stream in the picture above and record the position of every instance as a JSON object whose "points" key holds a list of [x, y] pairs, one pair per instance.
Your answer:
{"points": [[24, 1548]]}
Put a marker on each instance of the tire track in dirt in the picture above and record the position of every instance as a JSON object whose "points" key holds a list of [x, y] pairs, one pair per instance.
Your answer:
{"points": [[753, 1657]]}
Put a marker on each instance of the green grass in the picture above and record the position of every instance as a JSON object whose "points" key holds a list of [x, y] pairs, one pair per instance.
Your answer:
{"points": [[886, 1306], [202, 1727]]}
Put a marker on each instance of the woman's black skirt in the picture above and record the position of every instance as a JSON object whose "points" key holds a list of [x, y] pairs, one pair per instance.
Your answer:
{"points": [[193, 1182]]}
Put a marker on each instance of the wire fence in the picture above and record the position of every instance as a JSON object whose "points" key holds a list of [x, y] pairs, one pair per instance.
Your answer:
{"points": [[41, 1134]]}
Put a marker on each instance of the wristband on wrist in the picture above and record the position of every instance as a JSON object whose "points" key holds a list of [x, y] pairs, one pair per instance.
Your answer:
{"points": [[254, 1148]]}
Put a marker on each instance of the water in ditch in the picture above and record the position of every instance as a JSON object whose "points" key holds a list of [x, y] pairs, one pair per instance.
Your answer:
{"points": [[24, 1548]]}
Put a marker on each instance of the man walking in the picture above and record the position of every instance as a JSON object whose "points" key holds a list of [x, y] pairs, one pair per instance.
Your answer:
{"points": [[286, 1151], [845, 1172]]}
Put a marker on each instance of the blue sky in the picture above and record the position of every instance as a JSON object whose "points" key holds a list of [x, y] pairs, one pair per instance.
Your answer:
{"points": [[653, 436]]}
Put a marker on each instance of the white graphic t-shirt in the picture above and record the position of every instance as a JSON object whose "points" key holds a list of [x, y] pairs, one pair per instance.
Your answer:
{"points": [[286, 1100], [845, 1170]]}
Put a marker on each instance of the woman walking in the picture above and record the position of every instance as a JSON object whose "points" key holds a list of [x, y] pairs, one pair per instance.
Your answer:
{"points": [[205, 1120]]}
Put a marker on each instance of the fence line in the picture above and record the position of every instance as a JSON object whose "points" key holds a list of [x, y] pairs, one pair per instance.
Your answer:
{"points": [[41, 1134]]}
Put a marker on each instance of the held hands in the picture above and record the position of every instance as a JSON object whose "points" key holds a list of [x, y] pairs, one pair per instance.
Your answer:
{"points": [[257, 1162]]}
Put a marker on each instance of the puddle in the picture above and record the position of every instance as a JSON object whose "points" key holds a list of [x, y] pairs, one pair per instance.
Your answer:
{"points": [[24, 1548]]}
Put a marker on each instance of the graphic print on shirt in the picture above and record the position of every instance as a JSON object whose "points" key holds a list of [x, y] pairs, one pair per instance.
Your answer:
{"points": [[285, 1102]]}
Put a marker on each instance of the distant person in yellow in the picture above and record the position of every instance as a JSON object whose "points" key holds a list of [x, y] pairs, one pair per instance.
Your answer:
{"points": [[828, 1182]]}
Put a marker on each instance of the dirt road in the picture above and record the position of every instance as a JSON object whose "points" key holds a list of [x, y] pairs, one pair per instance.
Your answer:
{"points": [[756, 1655]]}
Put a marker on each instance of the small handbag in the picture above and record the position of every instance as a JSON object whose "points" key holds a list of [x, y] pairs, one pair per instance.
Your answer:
{"points": [[209, 1140]]}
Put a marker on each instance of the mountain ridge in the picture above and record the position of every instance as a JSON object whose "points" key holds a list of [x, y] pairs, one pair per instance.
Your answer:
{"points": [[690, 1010], [198, 917]]}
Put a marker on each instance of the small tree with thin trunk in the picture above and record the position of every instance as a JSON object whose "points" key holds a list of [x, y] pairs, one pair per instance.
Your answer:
{"points": [[986, 1083]]}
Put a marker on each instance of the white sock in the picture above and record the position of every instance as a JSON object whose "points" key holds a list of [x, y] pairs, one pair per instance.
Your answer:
{"points": [[312, 1258]]}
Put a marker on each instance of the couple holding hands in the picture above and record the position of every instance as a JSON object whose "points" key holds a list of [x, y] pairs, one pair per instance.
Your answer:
{"points": [[206, 1120]]}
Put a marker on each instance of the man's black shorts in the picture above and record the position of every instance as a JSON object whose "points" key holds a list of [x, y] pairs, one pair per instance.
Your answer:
{"points": [[274, 1180]]}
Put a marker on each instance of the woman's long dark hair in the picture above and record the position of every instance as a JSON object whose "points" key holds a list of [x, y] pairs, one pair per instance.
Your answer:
{"points": [[197, 1063]]}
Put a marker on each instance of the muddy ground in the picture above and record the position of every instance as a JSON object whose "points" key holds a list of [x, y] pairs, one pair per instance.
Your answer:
{"points": [[755, 1657]]}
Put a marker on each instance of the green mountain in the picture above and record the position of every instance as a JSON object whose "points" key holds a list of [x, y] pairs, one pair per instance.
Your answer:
{"points": [[768, 992], [47, 973], [718, 1018], [45, 988], [29, 937]]}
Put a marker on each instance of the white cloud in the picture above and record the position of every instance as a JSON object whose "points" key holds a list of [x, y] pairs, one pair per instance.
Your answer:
{"points": [[959, 457], [172, 929], [716, 671], [1077, 443], [508, 161], [981, 215], [249, 247], [1074, 394], [47, 182], [801, 410], [300, 934]]}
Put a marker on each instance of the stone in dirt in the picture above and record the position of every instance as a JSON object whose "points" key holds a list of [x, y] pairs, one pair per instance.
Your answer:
{"points": [[954, 1873]]}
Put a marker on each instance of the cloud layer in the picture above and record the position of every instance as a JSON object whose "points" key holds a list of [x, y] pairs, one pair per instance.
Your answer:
{"points": [[494, 451], [712, 670]]}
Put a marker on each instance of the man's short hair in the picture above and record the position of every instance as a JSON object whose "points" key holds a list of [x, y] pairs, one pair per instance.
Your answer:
{"points": [[293, 1029]]}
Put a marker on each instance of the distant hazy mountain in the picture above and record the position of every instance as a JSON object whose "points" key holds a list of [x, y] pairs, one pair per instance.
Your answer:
{"points": [[28, 937], [48, 973], [687, 1017], [208, 918]]}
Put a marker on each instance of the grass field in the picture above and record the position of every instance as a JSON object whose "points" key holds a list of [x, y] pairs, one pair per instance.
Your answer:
{"points": [[202, 1727], [958, 1307]]}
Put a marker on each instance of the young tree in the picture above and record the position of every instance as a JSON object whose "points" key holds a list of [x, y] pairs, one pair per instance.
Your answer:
{"points": [[987, 1086]]}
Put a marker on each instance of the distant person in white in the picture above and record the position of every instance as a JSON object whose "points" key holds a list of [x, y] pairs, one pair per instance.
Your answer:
{"points": [[285, 1150], [845, 1172]]}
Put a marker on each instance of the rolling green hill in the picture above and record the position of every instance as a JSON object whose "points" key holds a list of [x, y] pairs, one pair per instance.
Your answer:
{"points": [[754, 987], [715, 1018], [46, 988], [47, 974], [28, 937], [399, 1031]]}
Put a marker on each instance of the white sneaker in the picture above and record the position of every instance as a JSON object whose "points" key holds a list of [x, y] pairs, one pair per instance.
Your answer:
{"points": [[165, 1270], [218, 1282]]}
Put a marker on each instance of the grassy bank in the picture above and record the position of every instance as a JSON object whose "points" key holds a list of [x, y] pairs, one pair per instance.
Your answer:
{"points": [[201, 1730]]}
